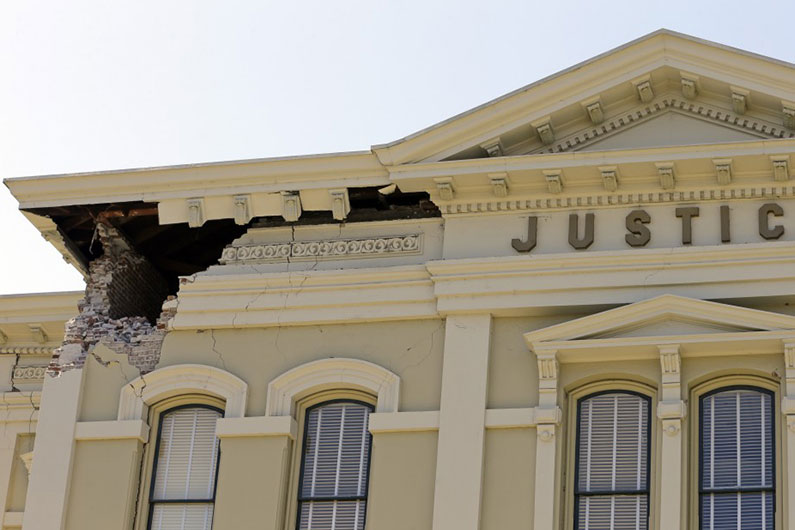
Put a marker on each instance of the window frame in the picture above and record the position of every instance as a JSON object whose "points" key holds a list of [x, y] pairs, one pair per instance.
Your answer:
{"points": [[748, 379], [302, 407], [647, 492], [609, 384], [773, 489], [156, 459], [147, 475], [305, 436]]}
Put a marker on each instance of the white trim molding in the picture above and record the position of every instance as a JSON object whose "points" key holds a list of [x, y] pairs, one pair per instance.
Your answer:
{"points": [[112, 430], [335, 372], [256, 426], [181, 379]]}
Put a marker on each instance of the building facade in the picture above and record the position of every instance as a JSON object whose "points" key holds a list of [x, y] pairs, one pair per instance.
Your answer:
{"points": [[569, 308]]}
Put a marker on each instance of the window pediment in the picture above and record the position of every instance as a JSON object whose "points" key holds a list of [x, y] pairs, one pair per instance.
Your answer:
{"points": [[636, 331]]}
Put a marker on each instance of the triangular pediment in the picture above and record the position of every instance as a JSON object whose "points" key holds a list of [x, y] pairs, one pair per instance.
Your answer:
{"points": [[670, 129], [664, 89], [663, 316]]}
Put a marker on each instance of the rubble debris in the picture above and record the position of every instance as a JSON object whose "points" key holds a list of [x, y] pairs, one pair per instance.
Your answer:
{"points": [[122, 308]]}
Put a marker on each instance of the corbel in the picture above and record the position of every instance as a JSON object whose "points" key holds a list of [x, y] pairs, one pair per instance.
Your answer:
{"points": [[499, 184], [671, 409], [609, 177], [547, 378], [3, 338], [195, 212], [593, 107], [723, 170], [554, 180], [493, 147], [780, 167], [340, 203], [740, 99], [788, 403], [788, 108], [445, 187], [643, 88], [39, 335], [667, 175], [291, 206], [547, 412], [789, 366], [689, 85], [544, 129], [27, 460], [242, 209]]}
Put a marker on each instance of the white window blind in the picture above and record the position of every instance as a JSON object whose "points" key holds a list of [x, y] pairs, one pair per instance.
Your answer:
{"points": [[611, 476], [183, 486], [737, 484], [335, 467]]}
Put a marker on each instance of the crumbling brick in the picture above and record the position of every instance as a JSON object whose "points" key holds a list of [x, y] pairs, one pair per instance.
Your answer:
{"points": [[122, 308]]}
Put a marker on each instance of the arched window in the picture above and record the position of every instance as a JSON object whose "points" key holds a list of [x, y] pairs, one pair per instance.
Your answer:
{"points": [[335, 464], [182, 494], [611, 482], [737, 459]]}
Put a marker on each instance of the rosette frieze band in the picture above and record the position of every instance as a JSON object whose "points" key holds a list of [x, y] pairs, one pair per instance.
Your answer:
{"points": [[330, 249]]}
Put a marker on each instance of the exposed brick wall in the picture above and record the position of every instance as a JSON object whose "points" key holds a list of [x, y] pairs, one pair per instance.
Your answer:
{"points": [[122, 308]]}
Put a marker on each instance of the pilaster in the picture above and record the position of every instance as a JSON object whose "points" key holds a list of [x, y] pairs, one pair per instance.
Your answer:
{"points": [[788, 409], [53, 452], [671, 411], [459, 462], [547, 419]]}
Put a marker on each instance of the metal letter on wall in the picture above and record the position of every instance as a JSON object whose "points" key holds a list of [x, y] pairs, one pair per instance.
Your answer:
{"points": [[532, 237], [639, 234], [687, 213], [725, 227], [587, 239], [764, 226]]}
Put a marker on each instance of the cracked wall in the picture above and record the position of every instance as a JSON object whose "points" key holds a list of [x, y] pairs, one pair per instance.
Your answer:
{"points": [[123, 308]]}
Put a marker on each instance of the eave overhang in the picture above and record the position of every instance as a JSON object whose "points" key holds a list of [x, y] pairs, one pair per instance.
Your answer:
{"points": [[154, 184]]}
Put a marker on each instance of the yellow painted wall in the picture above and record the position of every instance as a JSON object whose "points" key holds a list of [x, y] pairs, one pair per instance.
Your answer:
{"points": [[508, 478], [402, 479], [251, 482], [104, 485]]}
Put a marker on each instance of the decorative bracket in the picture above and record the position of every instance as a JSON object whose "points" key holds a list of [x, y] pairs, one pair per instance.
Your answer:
{"points": [[689, 86], [340, 203], [609, 177], [195, 212], [671, 409], [780, 167], [723, 170], [594, 109], [667, 175], [547, 378], [643, 87], [740, 100], [291, 206], [446, 190], [39, 335], [242, 209], [3, 337], [493, 147], [554, 180], [545, 131], [788, 108], [499, 184]]}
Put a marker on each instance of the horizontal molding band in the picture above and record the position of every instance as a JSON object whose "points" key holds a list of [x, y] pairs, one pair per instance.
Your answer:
{"points": [[112, 430], [256, 426], [521, 418], [502, 286]]}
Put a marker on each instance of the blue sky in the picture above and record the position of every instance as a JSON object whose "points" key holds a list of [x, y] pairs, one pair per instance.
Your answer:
{"points": [[93, 85]]}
